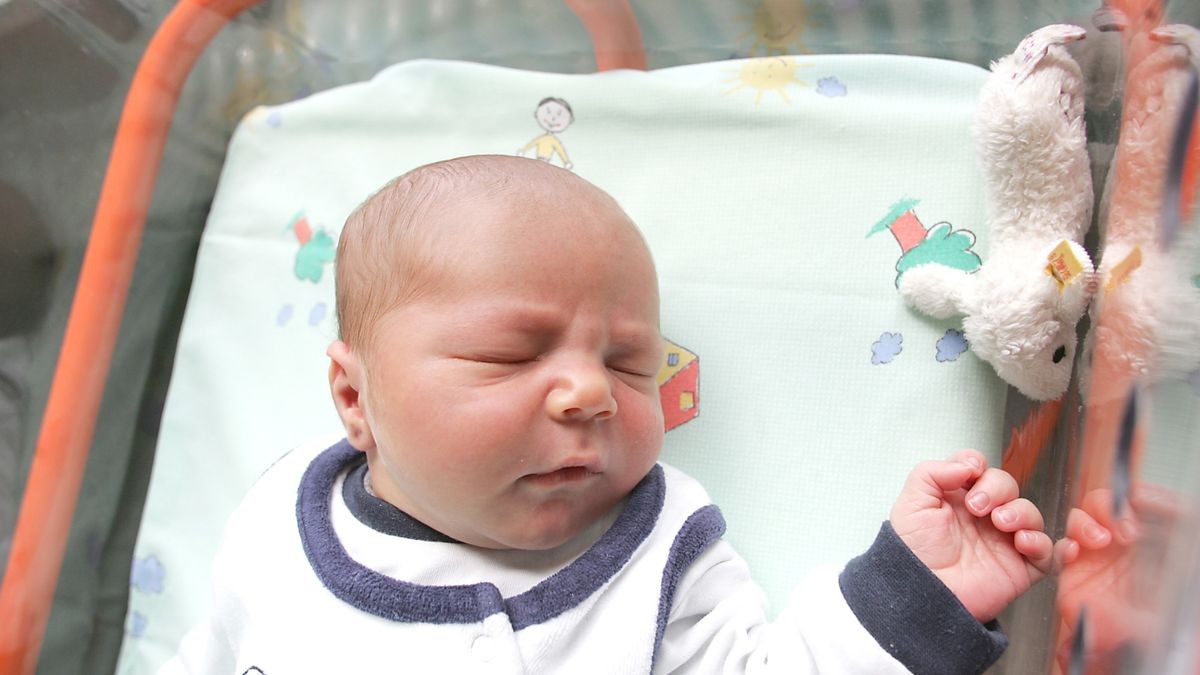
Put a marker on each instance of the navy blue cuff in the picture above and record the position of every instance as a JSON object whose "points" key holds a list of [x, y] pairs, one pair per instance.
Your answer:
{"points": [[912, 614]]}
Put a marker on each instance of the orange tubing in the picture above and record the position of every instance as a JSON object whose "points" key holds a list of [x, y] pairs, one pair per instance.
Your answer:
{"points": [[52, 489], [613, 28]]}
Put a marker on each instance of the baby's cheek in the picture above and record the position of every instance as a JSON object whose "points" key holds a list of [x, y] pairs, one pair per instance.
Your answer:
{"points": [[642, 424]]}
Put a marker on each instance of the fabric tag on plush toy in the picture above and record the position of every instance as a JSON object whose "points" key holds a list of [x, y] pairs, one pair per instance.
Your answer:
{"points": [[1036, 44], [1121, 271], [1063, 265]]}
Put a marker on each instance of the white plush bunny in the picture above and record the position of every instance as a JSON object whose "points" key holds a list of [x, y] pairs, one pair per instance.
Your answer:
{"points": [[1021, 307]]}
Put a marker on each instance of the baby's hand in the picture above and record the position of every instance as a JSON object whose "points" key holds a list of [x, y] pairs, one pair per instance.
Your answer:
{"points": [[967, 524]]}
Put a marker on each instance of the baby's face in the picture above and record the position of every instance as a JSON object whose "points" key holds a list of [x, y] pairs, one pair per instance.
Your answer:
{"points": [[515, 401]]}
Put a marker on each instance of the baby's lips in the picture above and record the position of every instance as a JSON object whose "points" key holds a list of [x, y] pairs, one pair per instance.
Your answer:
{"points": [[589, 462]]}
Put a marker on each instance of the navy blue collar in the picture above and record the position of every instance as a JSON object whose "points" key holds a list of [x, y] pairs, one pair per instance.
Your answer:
{"points": [[397, 600], [380, 515]]}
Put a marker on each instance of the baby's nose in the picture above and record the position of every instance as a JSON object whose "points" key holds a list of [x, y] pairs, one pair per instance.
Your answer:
{"points": [[582, 391]]}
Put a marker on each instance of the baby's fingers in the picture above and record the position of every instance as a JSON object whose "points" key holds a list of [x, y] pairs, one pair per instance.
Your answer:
{"points": [[1024, 520], [993, 489], [1037, 547], [1016, 515], [939, 477], [972, 458], [1066, 551]]}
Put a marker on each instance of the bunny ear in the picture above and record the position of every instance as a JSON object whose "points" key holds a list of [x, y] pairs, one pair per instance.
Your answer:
{"points": [[938, 290], [1037, 44]]}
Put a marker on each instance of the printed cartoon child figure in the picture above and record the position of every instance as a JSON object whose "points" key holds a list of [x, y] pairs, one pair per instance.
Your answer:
{"points": [[498, 506], [554, 115]]}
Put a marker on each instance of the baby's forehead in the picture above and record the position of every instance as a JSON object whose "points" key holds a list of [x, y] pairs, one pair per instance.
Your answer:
{"points": [[515, 198], [440, 210]]}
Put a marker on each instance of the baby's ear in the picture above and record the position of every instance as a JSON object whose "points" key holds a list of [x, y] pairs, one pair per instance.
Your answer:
{"points": [[346, 381], [937, 290]]}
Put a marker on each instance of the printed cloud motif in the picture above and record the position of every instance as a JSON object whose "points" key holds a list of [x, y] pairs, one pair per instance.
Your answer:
{"points": [[951, 346], [831, 87], [147, 575], [886, 348]]}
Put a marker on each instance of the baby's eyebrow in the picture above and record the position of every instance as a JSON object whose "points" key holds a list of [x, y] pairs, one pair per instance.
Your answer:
{"points": [[636, 336], [638, 331], [519, 318], [534, 321]]}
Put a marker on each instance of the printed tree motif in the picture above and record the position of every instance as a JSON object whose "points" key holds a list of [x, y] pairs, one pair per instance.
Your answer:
{"points": [[919, 245], [317, 249]]}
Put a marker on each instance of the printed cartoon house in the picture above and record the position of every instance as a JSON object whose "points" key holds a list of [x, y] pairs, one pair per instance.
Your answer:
{"points": [[679, 385]]}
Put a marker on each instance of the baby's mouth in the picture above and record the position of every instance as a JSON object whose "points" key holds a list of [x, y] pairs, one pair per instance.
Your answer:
{"points": [[564, 476]]}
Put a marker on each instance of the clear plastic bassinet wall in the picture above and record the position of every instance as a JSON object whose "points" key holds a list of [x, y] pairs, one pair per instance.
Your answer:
{"points": [[89, 334]]}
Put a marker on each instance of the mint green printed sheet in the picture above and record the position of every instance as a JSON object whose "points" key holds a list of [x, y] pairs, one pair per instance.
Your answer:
{"points": [[781, 197]]}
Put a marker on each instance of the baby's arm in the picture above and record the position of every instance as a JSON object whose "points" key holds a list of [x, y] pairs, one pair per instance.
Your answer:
{"points": [[969, 526], [884, 613], [945, 564]]}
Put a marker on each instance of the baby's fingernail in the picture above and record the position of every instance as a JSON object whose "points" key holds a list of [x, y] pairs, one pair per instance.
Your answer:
{"points": [[1006, 516], [974, 462], [1095, 533], [978, 501]]}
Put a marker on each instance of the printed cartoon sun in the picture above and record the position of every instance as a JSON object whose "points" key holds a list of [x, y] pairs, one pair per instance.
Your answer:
{"points": [[775, 26], [772, 73]]}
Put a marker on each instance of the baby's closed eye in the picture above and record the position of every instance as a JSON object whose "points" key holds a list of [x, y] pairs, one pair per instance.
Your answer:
{"points": [[642, 363], [636, 370], [500, 359]]}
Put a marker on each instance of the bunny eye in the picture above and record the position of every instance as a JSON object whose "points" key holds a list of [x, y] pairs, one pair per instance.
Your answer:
{"points": [[1059, 354]]}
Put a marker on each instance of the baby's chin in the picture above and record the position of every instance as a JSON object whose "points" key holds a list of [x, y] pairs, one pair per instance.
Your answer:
{"points": [[542, 532], [522, 541], [541, 541]]}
